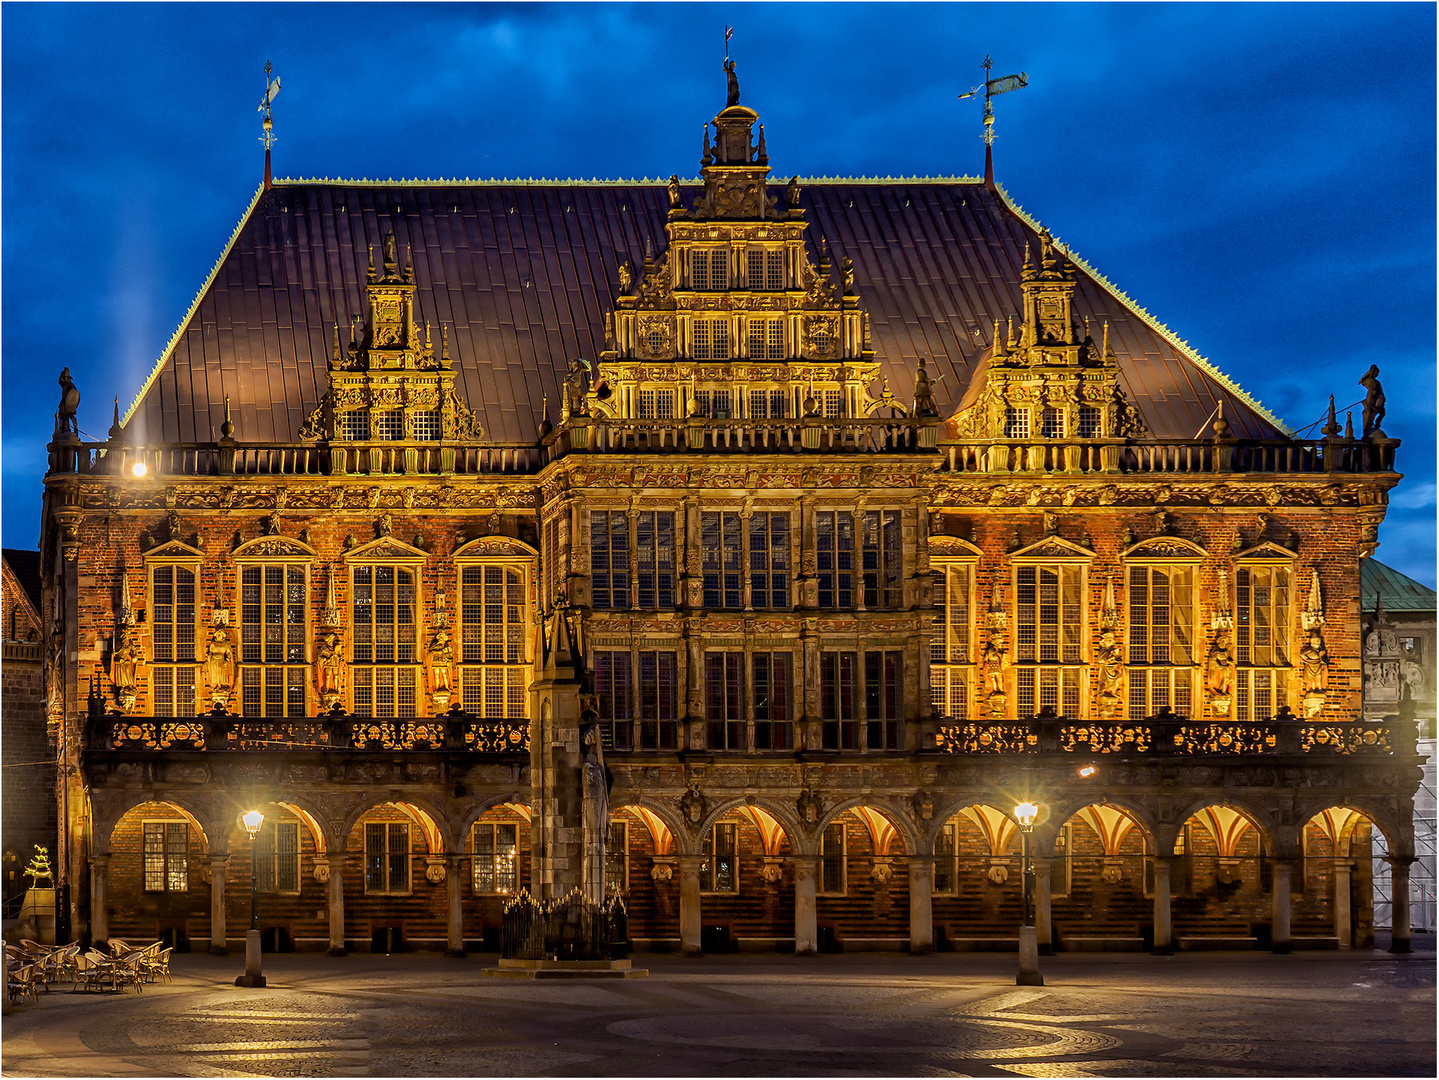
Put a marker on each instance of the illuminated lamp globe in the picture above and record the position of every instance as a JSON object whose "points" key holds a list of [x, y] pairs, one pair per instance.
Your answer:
{"points": [[253, 819], [1025, 813], [139, 469]]}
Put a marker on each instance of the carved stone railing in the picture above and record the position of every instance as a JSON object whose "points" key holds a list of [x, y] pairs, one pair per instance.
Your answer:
{"points": [[292, 459], [1173, 736], [20, 650], [450, 733], [1160, 456], [846, 435]]}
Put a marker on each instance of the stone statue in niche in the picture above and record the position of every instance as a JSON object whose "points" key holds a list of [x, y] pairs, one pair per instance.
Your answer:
{"points": [[125, 664], [329, 668], [994, 660], [1219, 673], [1314, 674], [219, 665], [1373, 401], [442, 661], [1108, 660], [595, 812]]}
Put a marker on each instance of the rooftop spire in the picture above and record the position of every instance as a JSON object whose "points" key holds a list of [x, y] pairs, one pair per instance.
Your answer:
{"points": [[272, 91]]}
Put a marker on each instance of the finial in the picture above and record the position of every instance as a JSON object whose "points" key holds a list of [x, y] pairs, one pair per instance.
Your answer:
{"points": [[708, 154], [1331, 429], [1221, 425], [427, 333], [115, 424], [998, 344], [227, 429], [1010, 339], [444, 344], [1104, 349], [336, 354], [370, 254], [760, 156], [1349, 425]]}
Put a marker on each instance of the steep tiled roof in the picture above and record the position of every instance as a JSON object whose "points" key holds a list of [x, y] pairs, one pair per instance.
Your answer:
{"points": [[1400, 593], [25, 565], [522, 274]]}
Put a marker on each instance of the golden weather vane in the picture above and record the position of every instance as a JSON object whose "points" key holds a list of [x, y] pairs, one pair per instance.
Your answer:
{"points": [[993, 88], [272, 91]]}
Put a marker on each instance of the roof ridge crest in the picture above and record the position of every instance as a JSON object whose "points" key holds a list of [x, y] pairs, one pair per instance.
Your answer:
{"points": [[194, 304]]}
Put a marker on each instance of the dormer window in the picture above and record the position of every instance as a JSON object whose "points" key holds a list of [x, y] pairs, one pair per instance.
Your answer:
{"points": [[389, 425], [766, 339], [764, 269], [711, 339], [1089, 422], [1051, 425], [355, 426], [711, 271], [427, 424]]}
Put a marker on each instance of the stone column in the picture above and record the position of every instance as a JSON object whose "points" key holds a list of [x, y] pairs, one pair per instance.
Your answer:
{"points": [[1044, 927], [921, 911], [1163, 919], [1399, 900], [1280, 937], [690, 904], [99, 913], [455, 927], [337, 903], [219, 930], [1343, 913], [806, 929]]}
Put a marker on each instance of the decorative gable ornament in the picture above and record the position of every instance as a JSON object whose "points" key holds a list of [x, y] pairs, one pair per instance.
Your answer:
{"points": [[386, 549], [1168, 548], [389, 385], [274, 547], [1052, 382]]}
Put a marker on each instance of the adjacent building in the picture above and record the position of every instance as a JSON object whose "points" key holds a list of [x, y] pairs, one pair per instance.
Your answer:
{"points": [[763, 541]]}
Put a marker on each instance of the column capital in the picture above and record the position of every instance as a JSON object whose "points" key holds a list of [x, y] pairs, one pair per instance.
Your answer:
{"points": [[100, 858], [1400, 862]]}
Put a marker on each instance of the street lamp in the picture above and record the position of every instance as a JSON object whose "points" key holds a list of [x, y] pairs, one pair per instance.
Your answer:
{"points": [[252, 820], [1029, 975]]}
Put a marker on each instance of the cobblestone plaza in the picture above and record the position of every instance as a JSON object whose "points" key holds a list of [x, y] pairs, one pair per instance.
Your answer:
{"points": [[1312, 1014]]}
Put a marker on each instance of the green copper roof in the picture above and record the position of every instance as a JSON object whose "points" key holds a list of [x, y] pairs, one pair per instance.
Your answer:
{"points": [[1400, 593]]}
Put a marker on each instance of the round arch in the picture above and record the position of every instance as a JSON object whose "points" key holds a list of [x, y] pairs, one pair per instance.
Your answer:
{"points": [[1111, 831], [787, 824], [996, 824], [1268, 830], [479, 809], [105, 828], [1397, 840], [421, 812], [876, 815]]}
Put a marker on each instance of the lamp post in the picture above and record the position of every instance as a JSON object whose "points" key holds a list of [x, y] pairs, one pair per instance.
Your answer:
{"points": [[253, 819], [1029, 975]]}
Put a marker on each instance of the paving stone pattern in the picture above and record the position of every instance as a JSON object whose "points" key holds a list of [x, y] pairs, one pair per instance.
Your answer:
{"points": [[1336, 1014]]}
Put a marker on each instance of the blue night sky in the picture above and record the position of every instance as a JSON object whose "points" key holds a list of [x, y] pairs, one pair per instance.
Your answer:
{"points": [[1260, 177]]}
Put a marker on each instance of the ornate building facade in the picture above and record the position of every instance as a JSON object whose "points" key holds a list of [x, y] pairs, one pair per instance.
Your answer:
{"points": [[844, 514]]}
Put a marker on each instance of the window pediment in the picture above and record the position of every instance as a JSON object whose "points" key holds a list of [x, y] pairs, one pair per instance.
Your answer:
{"points": [[387, 549], [952, 546], [275, 547], [1168, 548], [174, 550], [495, 547], [1053, 547], [1265, 552]]}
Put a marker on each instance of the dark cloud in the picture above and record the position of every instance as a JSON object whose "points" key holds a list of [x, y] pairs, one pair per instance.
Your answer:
{"points": [[1260, 177]]}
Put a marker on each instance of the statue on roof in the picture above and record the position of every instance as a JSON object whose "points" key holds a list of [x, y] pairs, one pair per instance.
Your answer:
{"points": [[65, 422], [674, 188], [791, 192], [733, 83], [1373, 401]]}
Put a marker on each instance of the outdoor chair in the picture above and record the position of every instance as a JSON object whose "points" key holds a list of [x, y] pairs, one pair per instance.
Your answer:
{"points": [[21, 983], [96, 971]]}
